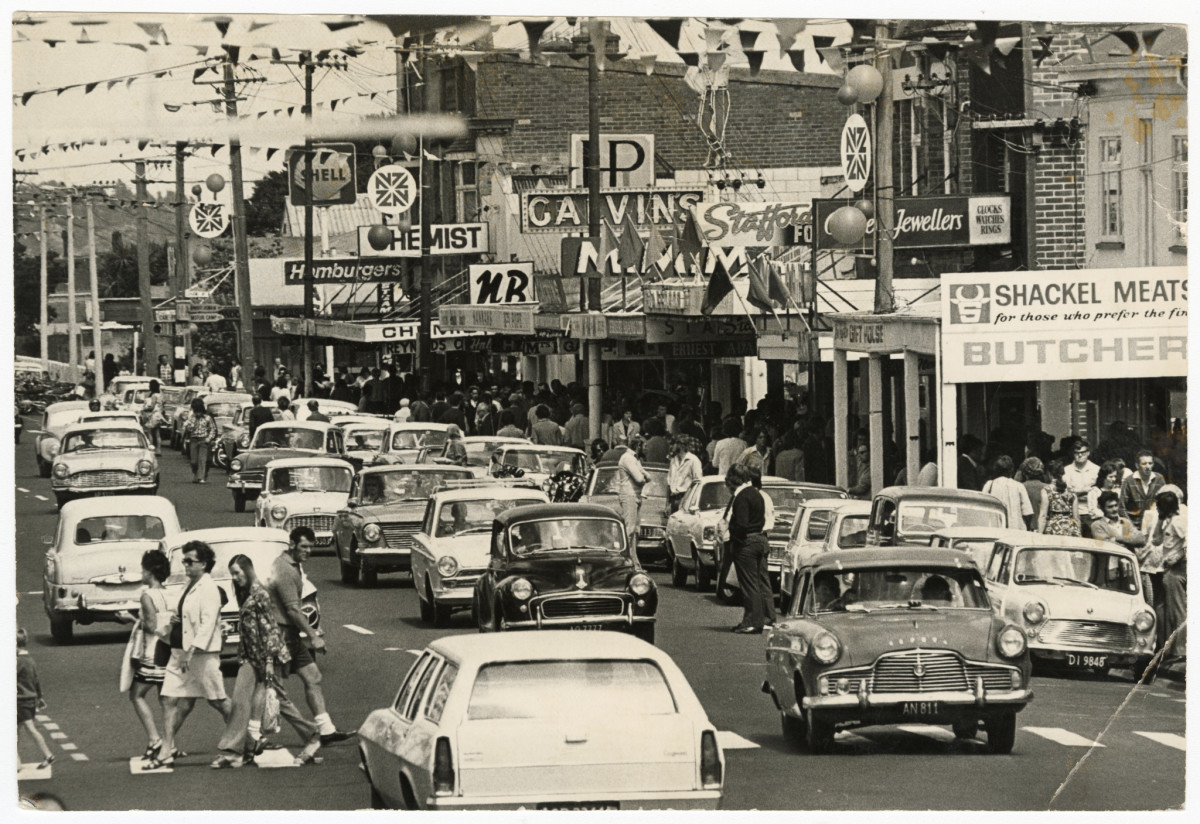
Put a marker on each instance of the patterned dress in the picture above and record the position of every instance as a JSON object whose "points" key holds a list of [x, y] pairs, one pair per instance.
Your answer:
{"points": [[1059, 520], [262, 645]]}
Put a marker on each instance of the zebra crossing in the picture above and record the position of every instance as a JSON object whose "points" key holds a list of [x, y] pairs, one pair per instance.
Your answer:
{"points": [[887, 737]]}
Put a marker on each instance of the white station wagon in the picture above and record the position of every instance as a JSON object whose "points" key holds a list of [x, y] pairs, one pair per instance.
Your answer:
{"points": [[550, 720]]}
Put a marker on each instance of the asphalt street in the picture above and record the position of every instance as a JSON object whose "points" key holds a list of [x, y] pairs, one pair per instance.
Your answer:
{"points": [[1083, 744]]}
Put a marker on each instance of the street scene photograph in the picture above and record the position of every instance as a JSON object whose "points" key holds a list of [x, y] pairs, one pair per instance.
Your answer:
{"points": [[473, 412]]}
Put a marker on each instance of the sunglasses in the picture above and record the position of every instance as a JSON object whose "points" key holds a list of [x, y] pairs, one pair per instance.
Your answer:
{"points": [[192, 562]]}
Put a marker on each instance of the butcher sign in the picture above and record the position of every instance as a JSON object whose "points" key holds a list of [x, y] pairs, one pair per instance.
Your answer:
{"points": [[856, 152], [332, 174], [208, 220], [392, 190], [493, 283]]}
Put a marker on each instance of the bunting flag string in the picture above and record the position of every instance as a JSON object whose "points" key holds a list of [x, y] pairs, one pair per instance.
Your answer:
{"points": [[668, 29]]}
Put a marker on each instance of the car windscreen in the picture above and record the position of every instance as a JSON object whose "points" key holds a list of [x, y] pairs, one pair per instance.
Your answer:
{"points": [[852, 532], [261, 553], [479, 453], [1076, 567], [474, 517], [786, 498], [606, 482], [566, 535], [417, 438], [714, 496], [104, 439], [282, 437], [407, 484], [542, 461], [62, 417], [365, 440], [919, 518], [899, 587], [223, 410], [818, 525], [566, 690], [119, 528], [309, 479]]}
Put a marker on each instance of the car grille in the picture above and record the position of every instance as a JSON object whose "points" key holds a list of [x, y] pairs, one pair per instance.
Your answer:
{"points": [[938, 671], [582, 606], [653, 533], [399, 536], [782, 530], [102, 477], [995, 679], [777, 553], [253, 477], [317, 523], [1086, 633]]}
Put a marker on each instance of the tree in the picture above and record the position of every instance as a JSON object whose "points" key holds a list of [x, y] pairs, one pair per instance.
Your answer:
{"points": [[27, 287], [264, 209]]}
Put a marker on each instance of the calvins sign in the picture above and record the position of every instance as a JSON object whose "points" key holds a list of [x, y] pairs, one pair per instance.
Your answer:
{"points": [[566, 210]]}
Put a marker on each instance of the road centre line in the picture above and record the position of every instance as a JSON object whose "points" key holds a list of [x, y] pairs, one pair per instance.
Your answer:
{"points": [[41, 497], [22, 489], [1169, 739], [358, 629]]}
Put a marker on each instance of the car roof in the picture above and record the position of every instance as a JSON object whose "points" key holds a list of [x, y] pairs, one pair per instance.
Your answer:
{"points": [[646, 465], [118, 505], [984, 533], [891, 556], [319, 426], [284, 463], [409, 426], [360, 418], [326, 403], [90, 426], [833, 503], [1022, 539], [941, 493], [485, 493], [413, 467], [66, 406], [131, 379], [226, 397], [470, 439], [108, 413], [537, 512], [545, 645], [537, 447], [850, 507], [223, 534], [378, 423]]}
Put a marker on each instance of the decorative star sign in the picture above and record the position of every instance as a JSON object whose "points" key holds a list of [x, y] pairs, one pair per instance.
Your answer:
{"points": [[392, 190], [208, 220]]}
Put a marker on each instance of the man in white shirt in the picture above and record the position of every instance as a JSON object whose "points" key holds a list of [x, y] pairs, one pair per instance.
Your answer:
{"points": [[215, 382], [683, 469], [1080, 476], [1012, 494], [729, 448], [631, 478]]}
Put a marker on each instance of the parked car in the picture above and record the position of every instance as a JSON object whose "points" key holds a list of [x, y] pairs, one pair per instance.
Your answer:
{"points": [[976, 541], [183, 411], [363, 440], [406, 440], [234, 436], [329, 408], [1079, 600], [552, 721], [652, 516], [563, 565], [901, 635], [820, 525], [282, 439], [103, 458], [451, 550], [120, 388], [223, 406], [171, 396], [123, 416], [133, 398], [93, 568], [305, 491], [55, 420], [385, 510], [537, 463], [20, 422], [480, 449], [910, 514], [262, 547]]}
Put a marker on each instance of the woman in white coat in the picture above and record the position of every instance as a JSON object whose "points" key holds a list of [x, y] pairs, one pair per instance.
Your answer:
{"points": [[195, 667]]}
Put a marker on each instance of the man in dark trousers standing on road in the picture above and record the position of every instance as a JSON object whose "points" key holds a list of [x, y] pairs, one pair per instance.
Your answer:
{"points": [[748, 544], [259, 415]]}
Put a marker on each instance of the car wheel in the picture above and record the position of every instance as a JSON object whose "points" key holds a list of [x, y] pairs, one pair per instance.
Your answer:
{"points": [[794, 730], [1139, 670], [369, 577], [1001, 733], [679, 573], [818, 734], [62, 628], [377, 802], [43, 467], [645, 631], [220, 458], [965, 730], [61, 498], [703, 576], [496, 625], [426, 606], [239, 502], [349, 573], [441, 612]]}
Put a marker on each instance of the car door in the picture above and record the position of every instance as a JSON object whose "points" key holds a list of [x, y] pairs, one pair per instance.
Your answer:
{"points": [[343, 521], [996, 576], [387, 751], [677, 530], [422, 555], [416, 739]]}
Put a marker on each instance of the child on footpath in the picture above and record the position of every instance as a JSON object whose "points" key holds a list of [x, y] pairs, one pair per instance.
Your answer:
{"points": [[29, 698]]}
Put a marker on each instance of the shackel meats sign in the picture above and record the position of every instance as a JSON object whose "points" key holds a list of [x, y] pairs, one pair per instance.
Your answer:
{"points": [[566, 210], [1063, 325], [925, 222]]}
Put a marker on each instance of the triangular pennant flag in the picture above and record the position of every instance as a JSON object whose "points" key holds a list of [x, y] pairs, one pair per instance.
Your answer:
{"points": [[129, 81], [343, 25], [787, 28], [233, 52], [110, 84], [631, 249], [137, 46], [255, 150], [533, 31], [797, 60], [821, 41], [430, 155], [655, 251], [270, 152], [290, 110], [1148, 37], [719, 285], [261, 115], [1005, 45], [759, 291], [196, 73], [691, 58], [668, 29], [52, 43], [778, 288], [142, 144], [715, 61], [608, 245], [689, 243], [648, 60], [152, 29], [255, 25], [833, 58], [472, 62], [172, 107], [333, 105], [712, 38], [222, 26], [747, 39], [1045, 40], [755, 57], [216, 148], [861, 30], [1130, 39], [25, 97]]}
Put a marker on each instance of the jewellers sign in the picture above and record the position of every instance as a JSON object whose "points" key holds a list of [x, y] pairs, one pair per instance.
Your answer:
{"points": [[566, 210], [925, 222], [345, 270], [749, 224], [1063, 325]]}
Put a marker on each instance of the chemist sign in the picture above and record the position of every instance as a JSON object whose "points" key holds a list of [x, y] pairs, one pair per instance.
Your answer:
{"points": [[1093, 324]]}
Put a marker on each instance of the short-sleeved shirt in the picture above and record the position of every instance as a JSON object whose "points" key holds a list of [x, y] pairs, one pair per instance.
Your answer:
{"points": [[286, 587], [1015, 498]]}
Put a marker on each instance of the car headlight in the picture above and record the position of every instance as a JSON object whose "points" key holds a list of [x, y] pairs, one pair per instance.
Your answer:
{"points": [[1143, 621], [235, 465], [61, 471], [447, 566], [243, 441], [371, 532], [710, 533], [825, 648], [1010, 642], [1034, 612], [279, 512], [521, 589], [640, 584], [145, 467], [52, 447]]}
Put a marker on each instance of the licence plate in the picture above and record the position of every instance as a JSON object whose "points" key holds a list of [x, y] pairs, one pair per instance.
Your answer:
{"points": [[921, 709], [104, 493], [588, 627], [1086, 661], [580, 805]]}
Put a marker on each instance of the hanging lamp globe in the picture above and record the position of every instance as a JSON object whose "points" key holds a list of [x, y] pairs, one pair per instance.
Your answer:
{"points": [[866, 207], [197, 190], [404, 144], [847, 95], [866, 81], [202, 256], [847, 225], [214, 182], [380, 237]]}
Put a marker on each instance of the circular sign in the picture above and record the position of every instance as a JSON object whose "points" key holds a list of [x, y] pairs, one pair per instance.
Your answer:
{"points": [[208, 220], [392, 190], [856, 152]]}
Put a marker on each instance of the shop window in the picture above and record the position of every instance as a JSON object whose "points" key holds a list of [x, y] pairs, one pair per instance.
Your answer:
{"points": [[1179, 174], [1112, 225], [466, 190]]}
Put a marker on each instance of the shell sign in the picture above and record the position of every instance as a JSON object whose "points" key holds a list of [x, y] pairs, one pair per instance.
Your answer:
{"points": [[333, 174]]}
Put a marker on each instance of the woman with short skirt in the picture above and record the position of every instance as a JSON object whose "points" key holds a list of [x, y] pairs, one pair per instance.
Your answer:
{"points": [[147, 673]]}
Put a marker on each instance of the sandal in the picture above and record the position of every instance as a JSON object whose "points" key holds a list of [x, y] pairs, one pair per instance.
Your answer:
{"points": [[151, 751], [157, 763], [49, 760], [227, 762]]}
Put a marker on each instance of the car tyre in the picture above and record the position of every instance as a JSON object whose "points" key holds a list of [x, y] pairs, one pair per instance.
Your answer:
{"points": [[1001, 733], [219, 457], [62, 629], [61, 498], [377, 802], [369, 577], [1139, 669], [818, 734], [239, 502], [43, 467], [965, 730], [794, 730], [348, 570], [703, 576], [426, 606], [441, 612], [679, 573]]}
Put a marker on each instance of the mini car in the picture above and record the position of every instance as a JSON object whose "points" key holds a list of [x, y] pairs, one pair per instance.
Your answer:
{"points": [[910, 514], [234, 435], [329, 408], [304, 492], [901, 635], [551, 721], [451, 550], [93, 568], [103, 458], [480, 449], [363, 440], [405, 441], [653, 513], [1078, 600], [537, 463], [977, 541], [281, 439], [120, 385], [55, 420], [385, 510], [820, 524], [563, 565], [261, 546]]}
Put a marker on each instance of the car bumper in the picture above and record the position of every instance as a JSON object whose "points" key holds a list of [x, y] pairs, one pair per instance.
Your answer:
{"points": [[892, 704], [455, 591], [88, 607], [385, 558], [687, 800], [74, 489], [242, 486], [625, 621], [1086, 656]]}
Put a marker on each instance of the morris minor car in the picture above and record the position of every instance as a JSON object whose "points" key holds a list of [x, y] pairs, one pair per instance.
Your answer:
{"points": [[55, 420], [555, 566], [282, 439], [901, 635], [304, 492], [104, 458], [910, 514]]}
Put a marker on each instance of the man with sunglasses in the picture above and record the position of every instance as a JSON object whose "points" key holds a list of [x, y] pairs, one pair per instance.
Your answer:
{"points": [[1080, 476]]}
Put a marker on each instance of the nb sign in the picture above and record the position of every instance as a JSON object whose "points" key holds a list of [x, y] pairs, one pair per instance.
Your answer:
{"points": [[501, 283]]}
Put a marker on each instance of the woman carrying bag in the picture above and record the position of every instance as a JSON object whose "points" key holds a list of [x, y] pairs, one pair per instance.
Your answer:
{"points": [[152, 415], [147, 652]]}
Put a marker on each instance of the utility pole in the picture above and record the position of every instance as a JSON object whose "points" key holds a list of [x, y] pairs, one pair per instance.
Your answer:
{"points": [[428, 187], [97, 332], [241, 260], [309, 290], [44, 317], [592, 173], [72, 320], [885, 212], [149, 339], [182, 276]]}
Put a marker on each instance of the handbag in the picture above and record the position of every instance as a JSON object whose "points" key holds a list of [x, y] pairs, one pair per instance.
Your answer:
{"points": [[133, 649]]}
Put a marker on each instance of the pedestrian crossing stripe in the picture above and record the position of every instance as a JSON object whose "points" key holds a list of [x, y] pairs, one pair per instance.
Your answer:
{"points": [[69, 746], [730, 740], [137, 766], [358, 629], [58, 735], [1060, 736], [50, 725], [30, 772], [78, 756], [1167, 738], [42, 718]]}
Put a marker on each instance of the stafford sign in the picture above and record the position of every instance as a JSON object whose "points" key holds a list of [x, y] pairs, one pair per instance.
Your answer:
{"points": [[1088, 324], [926, 222], [566, 210], [726, 223]]}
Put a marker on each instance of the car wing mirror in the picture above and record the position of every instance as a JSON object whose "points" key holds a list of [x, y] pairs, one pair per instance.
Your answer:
{"points": [[351, 504]]}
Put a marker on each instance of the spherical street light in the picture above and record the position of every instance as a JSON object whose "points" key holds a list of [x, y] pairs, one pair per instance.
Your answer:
{"points": [[379, 150], [866, 80], [202, 256], [380, 238], [404, 144], [197, 190], [847, 95], [214, 182], [866, 207], [847, 225]]}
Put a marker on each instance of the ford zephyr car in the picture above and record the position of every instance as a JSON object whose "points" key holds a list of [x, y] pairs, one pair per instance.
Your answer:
{"points": [[1079, 600], [304, 492], [103, 458], [896, 636], [234, 436], [910, 514], [385, 509], [281, 439], [563, 565], [55, 420], [451, 550], [542, 721], [93, 568]]}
